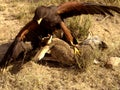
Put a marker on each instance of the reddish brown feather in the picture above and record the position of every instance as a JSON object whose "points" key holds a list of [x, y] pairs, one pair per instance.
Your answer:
{"points": [[67, 32], [32, 25], [70, 9], [18, 44]]}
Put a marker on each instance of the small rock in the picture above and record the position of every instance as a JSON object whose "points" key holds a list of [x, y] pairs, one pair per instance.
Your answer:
{"points": [[113, 62], [96, 62]]}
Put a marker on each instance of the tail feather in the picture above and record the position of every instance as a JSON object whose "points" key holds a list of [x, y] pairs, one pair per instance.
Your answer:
{"points": [[8, 55]]}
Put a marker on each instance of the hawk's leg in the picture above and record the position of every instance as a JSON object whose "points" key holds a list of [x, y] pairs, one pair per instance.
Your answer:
{"points": [[69, 36]]}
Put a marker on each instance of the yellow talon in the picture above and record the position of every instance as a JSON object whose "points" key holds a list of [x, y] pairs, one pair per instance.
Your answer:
{"points": [[77, 56], [76, 50]]}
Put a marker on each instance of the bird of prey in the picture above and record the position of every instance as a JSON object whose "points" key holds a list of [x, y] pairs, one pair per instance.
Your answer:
{"points": [[46, 20]]}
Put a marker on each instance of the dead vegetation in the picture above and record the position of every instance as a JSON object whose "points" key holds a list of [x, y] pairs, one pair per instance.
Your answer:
{"points": [[55, 76]]}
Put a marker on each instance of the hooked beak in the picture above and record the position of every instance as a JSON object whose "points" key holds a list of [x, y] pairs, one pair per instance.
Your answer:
{"points": [[39, 21]]}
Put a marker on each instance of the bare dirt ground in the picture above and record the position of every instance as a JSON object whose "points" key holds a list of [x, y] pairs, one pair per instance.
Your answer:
{"points": [[49, 76]]}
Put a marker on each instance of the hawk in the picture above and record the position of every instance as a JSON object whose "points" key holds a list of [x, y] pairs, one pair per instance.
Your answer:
{"points": [[46, 20]]}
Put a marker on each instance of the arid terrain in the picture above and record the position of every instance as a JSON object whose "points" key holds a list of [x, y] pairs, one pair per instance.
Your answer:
{"points": [[14, 14]]}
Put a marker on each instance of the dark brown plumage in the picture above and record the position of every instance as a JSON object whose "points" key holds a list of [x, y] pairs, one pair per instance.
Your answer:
{"points": [[52, 19], [53, 16]]}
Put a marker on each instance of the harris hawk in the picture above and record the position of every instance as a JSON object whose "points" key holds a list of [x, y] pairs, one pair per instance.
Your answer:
{"points": [[46, 20]]}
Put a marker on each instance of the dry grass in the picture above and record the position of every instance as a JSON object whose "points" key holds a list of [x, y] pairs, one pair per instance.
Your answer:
{"points": [[54, 76]]}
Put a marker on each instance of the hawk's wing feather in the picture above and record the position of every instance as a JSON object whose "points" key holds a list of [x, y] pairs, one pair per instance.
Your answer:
{"points": [[70, 9], [18, 45]]}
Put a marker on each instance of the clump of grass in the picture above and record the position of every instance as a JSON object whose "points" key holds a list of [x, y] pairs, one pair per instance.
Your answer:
{"points": [[84, 27], [86, 57], [79, 26]]}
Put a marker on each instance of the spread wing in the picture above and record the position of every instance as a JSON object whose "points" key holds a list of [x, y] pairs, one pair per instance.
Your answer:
{"points": [[70, 9], [19, 45]]}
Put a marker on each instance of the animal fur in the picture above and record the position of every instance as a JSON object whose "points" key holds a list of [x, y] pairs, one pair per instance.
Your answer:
{"points": [[62, 52]]}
